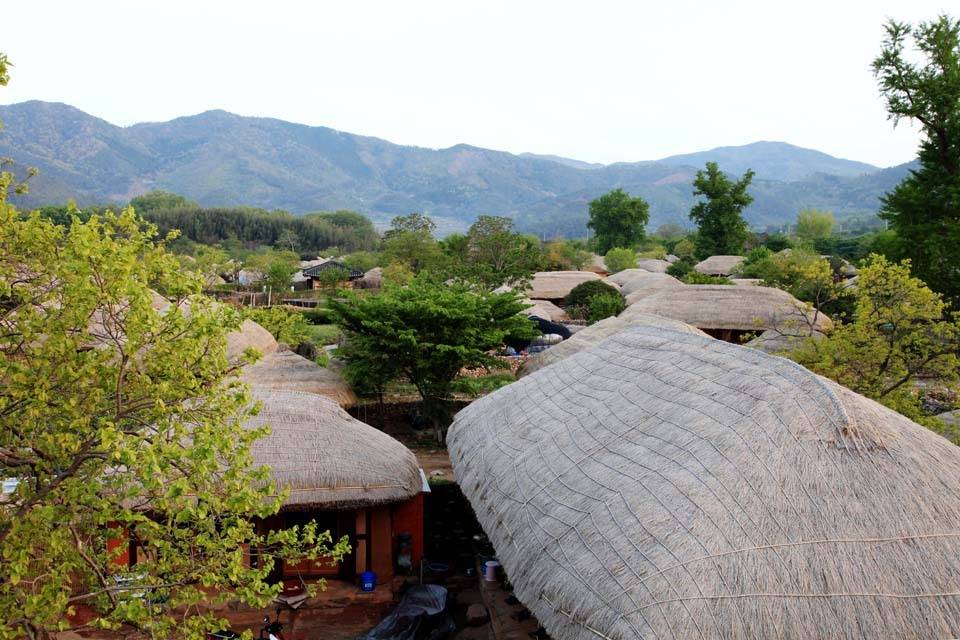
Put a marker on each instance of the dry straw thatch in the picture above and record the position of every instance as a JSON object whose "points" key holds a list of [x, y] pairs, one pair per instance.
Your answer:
{"points": [[554, 285], [287, 371], [653, 265], [596, 333], [709, 306], [545, 309], [719, 265], [665, 485], [253, 335], [644, 283], [326, 458]]}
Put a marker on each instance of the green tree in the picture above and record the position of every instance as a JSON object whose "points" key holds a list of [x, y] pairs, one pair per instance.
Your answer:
{"points": [[618, 220], [410, 223], [288, 327], [685, 249], [813, 224], [410, 242], [620, 258], [564, 255], [426, 332], [496, 255], [900, 333], [332, 278], [159, 199], [288, 240], [118, 417], [924, 210], [604, 305], [721, 229]]}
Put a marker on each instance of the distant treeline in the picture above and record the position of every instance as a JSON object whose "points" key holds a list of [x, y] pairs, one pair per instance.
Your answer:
{"points": [[306, 234]]}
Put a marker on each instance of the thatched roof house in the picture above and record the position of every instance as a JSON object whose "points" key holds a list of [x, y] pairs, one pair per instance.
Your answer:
{"points": [[727, 312], [545, 309], [328, 459], [253, 335], [653, 265], [644, 283], [555, 285], [664, 485], [287, 371], [719, 265], [597, 332], [776, 342]]}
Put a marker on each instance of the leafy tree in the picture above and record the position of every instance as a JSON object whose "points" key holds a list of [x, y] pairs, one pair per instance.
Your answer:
{"points": [[332, 278], [900, 334], [604, 305], [924, 210], [565, 255], [4, 69], [363, 260], [777, 242], [618, 220], [355, 226], [580, 295], [681, 268], [410, 242], [410, 223], [721, 227], [685, 249], [426, 332], [288, 327], [813, 224], [159, 199], [397, 273], [801, 272], [620, 258], [288, 239], [496, 255], [109, 406], [695, 277], [670, 230]]}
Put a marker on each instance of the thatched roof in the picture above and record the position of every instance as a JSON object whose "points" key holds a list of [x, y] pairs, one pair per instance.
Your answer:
{"points": [[326, 458], [719, 265], [253, 335], [776, 342], [711, 306], [597, 332], [653, 265], [622, 277], [545, 309], [372, 279], [648, 281], [287, 371], [665, 485], [553, 285]]}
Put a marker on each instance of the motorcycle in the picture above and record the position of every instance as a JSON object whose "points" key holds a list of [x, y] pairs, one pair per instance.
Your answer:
{"points": [[269, 631]]}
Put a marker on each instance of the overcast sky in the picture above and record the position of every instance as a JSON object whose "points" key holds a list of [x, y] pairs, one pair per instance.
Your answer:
{"points": [[593, 80]]}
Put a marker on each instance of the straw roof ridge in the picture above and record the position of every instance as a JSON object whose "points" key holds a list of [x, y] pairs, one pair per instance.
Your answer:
{"points": [[553, 285], [719, 265], [326, 458], [661, 484], [285, 370]]}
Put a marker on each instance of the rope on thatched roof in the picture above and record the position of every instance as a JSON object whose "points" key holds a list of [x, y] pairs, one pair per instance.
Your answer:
{"points": [[326, 458], [662, 484], [753, 308], [596, 333], [287, 371]]}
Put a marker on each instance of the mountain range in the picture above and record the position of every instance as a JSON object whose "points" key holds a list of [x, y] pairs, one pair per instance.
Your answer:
{"points": [[219, 158]]}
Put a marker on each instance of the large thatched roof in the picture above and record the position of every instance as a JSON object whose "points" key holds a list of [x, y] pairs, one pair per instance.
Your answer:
{"points": [[644, 283], [709, 306], [287, 371], [328, 459], [665, 485], [597, 332], [719, 265], [253, 335], [653, 265], [545, 309], [553, 285]]}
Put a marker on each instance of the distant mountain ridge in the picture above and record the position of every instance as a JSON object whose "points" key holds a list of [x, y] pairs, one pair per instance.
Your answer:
{"points": [[219, 158]]}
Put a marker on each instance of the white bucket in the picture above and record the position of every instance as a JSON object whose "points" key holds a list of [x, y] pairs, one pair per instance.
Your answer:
{"points": [[490, 570]]}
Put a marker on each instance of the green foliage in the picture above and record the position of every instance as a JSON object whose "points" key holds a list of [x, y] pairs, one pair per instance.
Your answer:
{"points": [[496, 255], [721, 229], [801, 272], [477, 387], [924, 210], [116, 416], [330, 279], [777, 242], [410, 242], [695, 277], [566, 255], [425, 332], [159, 199], [251, 228], [323, 334], [288, 327], [656, 252], [670, 231], [355, 226], [681, 268], [813, 224], [580, 295], [410, 223], [900, 333], [5, 65], [363, 260], [685, 249], [618, 220], [604, 305], [619, 258], [397, 273]]}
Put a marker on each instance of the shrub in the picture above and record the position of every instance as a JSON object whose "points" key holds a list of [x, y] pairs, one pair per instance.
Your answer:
{"points": [[695, 277], [680, 268], [605, 305], [619, 258], [289, 327], [581, 294], [685, 249]]}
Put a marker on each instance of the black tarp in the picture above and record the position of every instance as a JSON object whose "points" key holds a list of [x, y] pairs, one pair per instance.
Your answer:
{"points": [[421, 615]]}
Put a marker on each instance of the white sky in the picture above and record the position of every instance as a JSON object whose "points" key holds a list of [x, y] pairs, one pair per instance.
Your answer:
{"points": [[593, 80]]}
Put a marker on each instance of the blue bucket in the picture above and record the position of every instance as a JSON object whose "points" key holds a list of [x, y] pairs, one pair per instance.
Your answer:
{"points": [[368, 581]]}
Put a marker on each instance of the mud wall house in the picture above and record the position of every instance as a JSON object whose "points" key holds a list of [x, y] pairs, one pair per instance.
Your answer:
{"points": [[663, 484], [349, 477]]}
